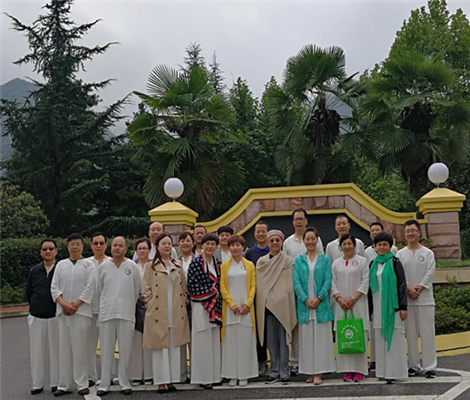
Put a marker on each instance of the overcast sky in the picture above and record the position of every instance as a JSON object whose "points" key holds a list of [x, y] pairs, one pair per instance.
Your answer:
{"points": [[252, 39]]}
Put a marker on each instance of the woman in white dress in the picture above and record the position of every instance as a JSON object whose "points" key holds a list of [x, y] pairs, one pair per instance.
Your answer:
{"points": [[186, 245], [140, 368], [349, 287], [312, 282], [238, 334], [206, 306], [389, 299], [166, 329]]}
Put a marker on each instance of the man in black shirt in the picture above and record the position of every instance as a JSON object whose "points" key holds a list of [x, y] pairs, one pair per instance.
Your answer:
{"points": [[41, 320]]}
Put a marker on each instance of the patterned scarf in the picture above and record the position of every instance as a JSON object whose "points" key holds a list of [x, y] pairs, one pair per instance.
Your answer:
{"points": [[203, 286]]}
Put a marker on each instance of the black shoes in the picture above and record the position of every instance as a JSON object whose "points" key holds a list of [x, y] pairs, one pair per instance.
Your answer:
{"points": [[91, 383], [172, 389], [37, 391], [206, 387], [294, 371], [101, 393], [285, 381], [84, 392], [412, 372], [430, 374], [271, 379], [60, 392], [390, 381], [53, 389], [372, 366], [127, 392]]}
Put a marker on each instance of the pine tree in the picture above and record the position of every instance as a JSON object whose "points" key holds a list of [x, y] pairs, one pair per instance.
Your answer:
{"points": [[215, 74], [194, 58], [59, 140]]}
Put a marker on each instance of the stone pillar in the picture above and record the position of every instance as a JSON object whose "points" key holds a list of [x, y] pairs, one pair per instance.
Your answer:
{"points": [[441, 208], [176, 217]]}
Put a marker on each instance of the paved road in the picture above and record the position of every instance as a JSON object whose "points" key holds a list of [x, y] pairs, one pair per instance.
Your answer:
{"points": [[16, 380]]}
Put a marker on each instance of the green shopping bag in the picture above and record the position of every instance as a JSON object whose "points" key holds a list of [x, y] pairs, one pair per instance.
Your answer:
{"points": [[350, 333]]}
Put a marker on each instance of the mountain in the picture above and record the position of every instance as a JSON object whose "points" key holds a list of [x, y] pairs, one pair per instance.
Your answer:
{"points": [[15, 90]]}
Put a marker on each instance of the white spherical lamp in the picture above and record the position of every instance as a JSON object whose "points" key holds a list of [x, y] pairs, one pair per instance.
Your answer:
{"points": [[173, 188], [438, 173]]}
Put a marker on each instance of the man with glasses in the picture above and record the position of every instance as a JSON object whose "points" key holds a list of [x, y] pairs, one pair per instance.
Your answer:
{"points": [[41, 320], [420, 266], [98, 245], [72, 289]]}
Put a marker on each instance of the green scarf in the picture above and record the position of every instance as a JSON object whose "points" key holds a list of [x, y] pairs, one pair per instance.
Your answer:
{"points": [[389, 294]]}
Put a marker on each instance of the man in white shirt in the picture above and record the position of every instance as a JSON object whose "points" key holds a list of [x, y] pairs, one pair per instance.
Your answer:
{"points": [[72, 289], [98, 245], [342, 227], [222, 253], [155, 229], [420, 266], [370, 254], [294, 244], [119, 286], [199, 233]]}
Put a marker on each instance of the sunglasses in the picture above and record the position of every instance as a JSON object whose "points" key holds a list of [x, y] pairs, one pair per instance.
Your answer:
{"points": [[47, 248], [98, 243]]}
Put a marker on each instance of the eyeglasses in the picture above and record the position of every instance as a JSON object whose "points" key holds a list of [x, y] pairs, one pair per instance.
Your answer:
{"points": [[98, 243], [412, 231], [299, 219], [47, 248], [274, 240]]}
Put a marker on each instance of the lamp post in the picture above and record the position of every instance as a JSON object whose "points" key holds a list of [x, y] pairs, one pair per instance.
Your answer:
{"points": [[438, 173], [173, 188]]}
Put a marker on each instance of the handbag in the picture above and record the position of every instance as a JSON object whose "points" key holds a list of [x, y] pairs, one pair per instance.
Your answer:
{"points": [[350, 333], [140, 314]]}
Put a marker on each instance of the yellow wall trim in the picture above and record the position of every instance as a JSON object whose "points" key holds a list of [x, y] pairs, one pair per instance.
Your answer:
{"points": [[339, 189], [440, 200], [173, 213]]}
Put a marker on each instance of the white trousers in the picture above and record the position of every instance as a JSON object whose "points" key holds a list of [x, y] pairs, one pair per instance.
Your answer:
{"points": [[92, 345], [205, 356], [73, 350], [140, 367], [110, 331], [42, 331], [317, 354], [356, 363], [169, 365], [372, 343], [390, 364], [239, 357], [420, 322]]}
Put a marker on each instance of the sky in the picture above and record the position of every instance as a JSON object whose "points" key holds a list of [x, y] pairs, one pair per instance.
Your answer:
{"points": [[252, 40]]}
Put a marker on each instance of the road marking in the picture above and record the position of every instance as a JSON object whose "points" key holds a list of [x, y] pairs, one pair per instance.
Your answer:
{"points": [[457, 390]]}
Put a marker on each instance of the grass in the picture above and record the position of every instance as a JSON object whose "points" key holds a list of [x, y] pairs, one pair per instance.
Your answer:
{"points": [[450, 264]]}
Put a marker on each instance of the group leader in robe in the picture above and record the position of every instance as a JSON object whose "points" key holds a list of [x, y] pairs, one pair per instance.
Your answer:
{"points": [[238, 334], [166, 328]]}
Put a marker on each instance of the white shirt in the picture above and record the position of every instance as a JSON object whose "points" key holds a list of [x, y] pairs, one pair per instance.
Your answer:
{"points": [[333, 250], [95, 301], [419, 270], [185, 265], [74, 282], [119, 290], [225, 256], [294, 247], [370, 253], [346, 280], [312, 289], [236, 279], [170, 297]]}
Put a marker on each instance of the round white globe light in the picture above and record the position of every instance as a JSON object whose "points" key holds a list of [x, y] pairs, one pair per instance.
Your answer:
{"points": [[438, 173], [173, 188]]}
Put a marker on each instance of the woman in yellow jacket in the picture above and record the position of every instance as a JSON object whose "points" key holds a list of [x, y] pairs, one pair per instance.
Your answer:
{"points": [[238, 335]]}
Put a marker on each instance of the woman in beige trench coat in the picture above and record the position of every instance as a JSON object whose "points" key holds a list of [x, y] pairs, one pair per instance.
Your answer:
{"points": [[166, 327]]}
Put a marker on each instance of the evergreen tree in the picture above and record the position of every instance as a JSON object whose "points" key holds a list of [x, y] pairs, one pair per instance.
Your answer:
{"points": [[193, 59], [215, 74], [58, 138]]}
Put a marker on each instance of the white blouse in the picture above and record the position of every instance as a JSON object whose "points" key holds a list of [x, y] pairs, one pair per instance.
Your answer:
{"points": [[236, 278], [312, 290]]}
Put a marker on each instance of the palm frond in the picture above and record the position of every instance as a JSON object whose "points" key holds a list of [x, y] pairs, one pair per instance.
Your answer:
{"points": [[161, 79]]}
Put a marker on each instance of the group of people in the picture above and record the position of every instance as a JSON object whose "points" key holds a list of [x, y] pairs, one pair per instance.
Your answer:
{"points": [[227, 308]]}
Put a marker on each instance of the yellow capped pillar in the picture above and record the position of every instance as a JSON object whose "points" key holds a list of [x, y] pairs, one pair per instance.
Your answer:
{"points": [[441, 208]]}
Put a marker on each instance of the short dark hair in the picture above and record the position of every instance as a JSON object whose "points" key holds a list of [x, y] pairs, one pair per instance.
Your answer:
{"points": [[383, 237], [48, 240], [236, 239], [262, 223], [345, 237], [299, 209], [310, 229], [210, 237], [342, 216], [376, 223], [200, 226], [225, 228], [184, 235], [142, 240], [412, 222], [74, 236], [98, 234]]}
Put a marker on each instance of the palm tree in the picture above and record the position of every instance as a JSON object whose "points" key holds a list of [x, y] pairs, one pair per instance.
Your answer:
{"points": [[413, 120], [315, 96], [183, 123]]}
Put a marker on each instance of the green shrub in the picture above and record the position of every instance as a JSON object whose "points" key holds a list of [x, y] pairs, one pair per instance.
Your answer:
{"points": [[452, 309], [465, 243], [19, 255], [453, 264], [12, 295]]}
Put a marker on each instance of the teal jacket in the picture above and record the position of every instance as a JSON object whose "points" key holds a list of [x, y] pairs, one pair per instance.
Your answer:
{"points": [[322, 277]]}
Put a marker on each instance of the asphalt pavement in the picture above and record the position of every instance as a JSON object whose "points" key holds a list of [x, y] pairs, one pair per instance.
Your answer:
{"points": [[15, 381]]}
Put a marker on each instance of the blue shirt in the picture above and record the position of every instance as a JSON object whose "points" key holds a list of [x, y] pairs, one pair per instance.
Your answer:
{"points": [[255, 253]]}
